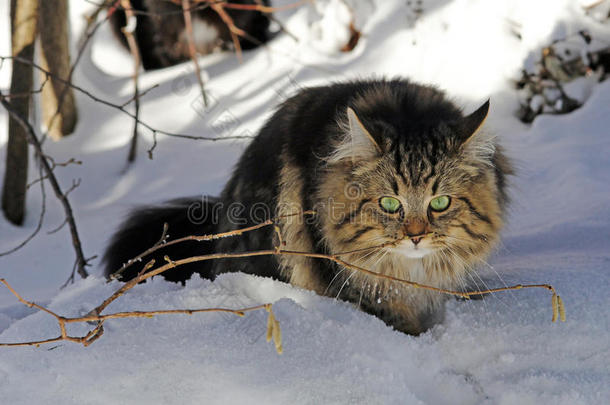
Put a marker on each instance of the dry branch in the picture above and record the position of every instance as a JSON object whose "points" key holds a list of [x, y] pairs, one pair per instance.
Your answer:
{"points": [[252, 7], [162, 243], [97, 332], [129, 30], [188, 26], [334, 258], [233, 30], [40, 179], [273, 330], [122, 108], [236, 32], [80, 262], [43, 211], [278, 251]]}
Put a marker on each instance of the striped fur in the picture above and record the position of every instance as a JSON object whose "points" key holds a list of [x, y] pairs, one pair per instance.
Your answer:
{"points": [[337, 150]]}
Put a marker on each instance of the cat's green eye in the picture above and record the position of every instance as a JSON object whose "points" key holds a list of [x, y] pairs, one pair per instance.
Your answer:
{"points": [[440, 203], [389, 204]]}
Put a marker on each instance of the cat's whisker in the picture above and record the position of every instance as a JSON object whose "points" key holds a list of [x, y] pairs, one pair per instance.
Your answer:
{"points": [[344, 283], [464, 284], [361, 292], [333, 279], [465, 252], [372, 260], [447, 261], [452, 256], [466, 272], [504, 284], [370, 252], [473, 282], [459, 239]]}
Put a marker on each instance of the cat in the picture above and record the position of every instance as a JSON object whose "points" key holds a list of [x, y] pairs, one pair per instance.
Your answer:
{"points": [[380, 162], [160, 30]]}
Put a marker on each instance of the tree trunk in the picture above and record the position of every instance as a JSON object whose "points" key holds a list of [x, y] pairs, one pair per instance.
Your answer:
{"points": [[58, 104], [24, 17]]}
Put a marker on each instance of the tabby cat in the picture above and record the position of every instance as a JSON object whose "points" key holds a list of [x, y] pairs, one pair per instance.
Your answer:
{"points": [[381, 162], [160, 29]]}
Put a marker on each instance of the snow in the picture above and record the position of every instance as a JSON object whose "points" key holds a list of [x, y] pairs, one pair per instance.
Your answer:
{"points": [[501, 350]]}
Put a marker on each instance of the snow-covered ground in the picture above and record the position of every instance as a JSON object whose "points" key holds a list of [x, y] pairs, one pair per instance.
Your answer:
{"points": [[501, 350]]}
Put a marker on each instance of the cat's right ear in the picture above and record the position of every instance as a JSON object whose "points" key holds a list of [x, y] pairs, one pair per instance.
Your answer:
{"points": [[363, 145], [471, 124]]}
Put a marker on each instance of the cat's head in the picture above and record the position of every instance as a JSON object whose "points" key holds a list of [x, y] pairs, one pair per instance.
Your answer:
{"points": [[410, 170]]}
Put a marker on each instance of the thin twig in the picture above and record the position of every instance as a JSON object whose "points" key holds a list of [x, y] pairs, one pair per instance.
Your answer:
{"points": [[53, 166], [336, 258], [43, 210], [201, 5], [70, 279], [278, 22], [33, 140], [40, 180], [188, 25], [128, 31], [252, 7], [162, 243], [96, 315], [237, 32], [123, 109], [233, 30], [96, 333], [140, 95], [29, 93], [58, 228]]}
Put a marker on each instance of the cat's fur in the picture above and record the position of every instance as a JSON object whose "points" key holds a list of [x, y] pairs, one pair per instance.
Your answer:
{"points": [[337, 150], [161, 37]]}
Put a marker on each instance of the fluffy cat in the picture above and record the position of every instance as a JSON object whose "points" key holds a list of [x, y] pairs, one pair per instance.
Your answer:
{"points": [[379, 161], [161, 36]]}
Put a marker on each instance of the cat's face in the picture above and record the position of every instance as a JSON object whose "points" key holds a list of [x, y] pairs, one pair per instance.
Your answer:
{"points": [[434, 193]]}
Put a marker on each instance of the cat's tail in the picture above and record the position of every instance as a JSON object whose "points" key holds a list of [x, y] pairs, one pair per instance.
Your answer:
{"points": [[143, 229]]}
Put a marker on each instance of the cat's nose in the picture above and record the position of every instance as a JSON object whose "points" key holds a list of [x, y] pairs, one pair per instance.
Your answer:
{"points": [[415, 227], [416, 239]]}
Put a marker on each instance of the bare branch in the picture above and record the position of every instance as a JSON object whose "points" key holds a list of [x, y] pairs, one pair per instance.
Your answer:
{"points": [[278, 251], [28, 93], [97, 332], [234, 31], [140, 95], [188, 25], [33, 140], [128, 30], [52, 231], [201, 238], [43, 210], [121, 108], [201, 5], [273, 331]]}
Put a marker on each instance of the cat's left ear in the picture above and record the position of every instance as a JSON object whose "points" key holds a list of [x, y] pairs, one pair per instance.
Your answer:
{"points": [[472, 123], [363, 144]]}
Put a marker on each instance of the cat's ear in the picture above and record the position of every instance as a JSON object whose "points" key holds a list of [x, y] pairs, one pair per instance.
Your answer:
{"points": [[472, 123], [362, 142]]}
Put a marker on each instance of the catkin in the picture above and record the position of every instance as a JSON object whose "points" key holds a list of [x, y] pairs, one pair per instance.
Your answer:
{"points": [[554, 304], [270, 326], [277, 336], [562, 309]]}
